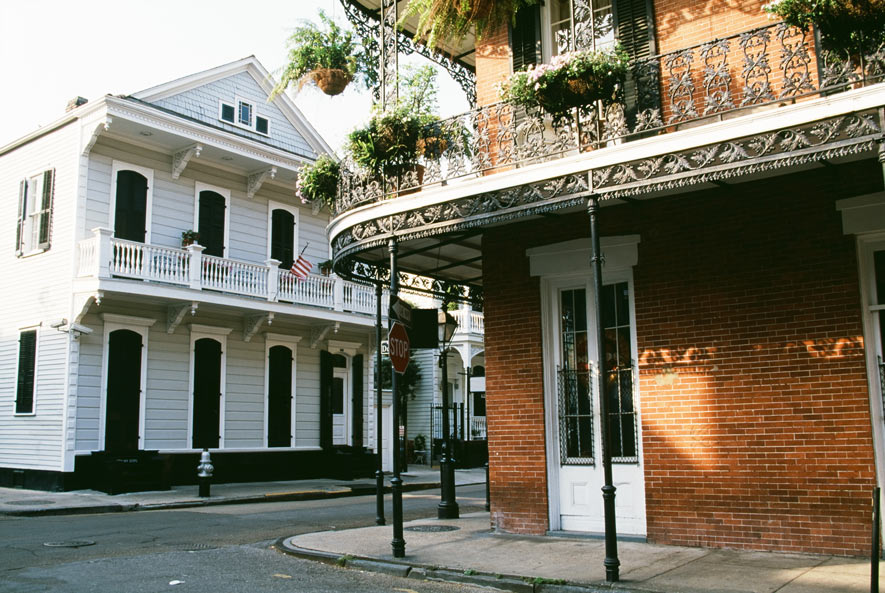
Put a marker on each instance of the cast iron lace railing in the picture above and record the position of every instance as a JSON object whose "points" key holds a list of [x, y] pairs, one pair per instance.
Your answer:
{"points": [[769, 65]]}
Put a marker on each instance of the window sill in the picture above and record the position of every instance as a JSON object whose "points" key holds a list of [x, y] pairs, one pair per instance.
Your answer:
{"points": [[32, 252], [23, 414]]}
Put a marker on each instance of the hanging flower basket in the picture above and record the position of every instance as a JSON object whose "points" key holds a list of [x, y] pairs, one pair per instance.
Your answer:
{"points": [[574, 79], [331, 81]]}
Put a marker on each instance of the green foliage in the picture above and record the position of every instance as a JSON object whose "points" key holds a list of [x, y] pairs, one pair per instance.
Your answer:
{"points": [[545, 581], [343, 560], [408, 381], [452, 20], [318, 182], [573, 79], [420, 442], [469, 572], [312, 47], [392, 141], [853, 25], [189, 236]]}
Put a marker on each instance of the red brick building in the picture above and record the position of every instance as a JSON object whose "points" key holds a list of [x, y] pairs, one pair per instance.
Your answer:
{"points": [[742, 222]]}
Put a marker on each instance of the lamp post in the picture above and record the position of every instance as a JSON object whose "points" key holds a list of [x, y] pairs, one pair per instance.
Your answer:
{"points": [[448, 506]]}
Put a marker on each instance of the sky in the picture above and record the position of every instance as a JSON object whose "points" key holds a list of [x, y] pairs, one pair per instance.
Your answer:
{"points": [[52, 51]]}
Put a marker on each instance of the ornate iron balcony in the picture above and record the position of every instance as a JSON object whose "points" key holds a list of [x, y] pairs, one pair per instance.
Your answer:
{"points": [[771, 65]]}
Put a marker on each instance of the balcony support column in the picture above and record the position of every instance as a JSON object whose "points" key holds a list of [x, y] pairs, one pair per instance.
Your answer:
{"points": [[195, 270], [273, 279], [611, 561], [104, 252], [338, 294]]}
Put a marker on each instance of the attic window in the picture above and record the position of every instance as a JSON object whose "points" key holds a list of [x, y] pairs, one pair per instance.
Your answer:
{"points": [[227, 112], [261, 125], [242, 114]]}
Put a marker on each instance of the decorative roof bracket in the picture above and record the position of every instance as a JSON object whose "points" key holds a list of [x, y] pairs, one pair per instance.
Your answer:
{"points": [[175, 314], [253, 323], [257, 179], [181, 158]]}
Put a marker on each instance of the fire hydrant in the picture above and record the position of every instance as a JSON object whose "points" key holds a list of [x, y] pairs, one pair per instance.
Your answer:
{"points": [[204, 473]]}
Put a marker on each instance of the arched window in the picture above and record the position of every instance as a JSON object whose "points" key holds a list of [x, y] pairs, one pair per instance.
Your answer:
{"points": [[130, 210]]}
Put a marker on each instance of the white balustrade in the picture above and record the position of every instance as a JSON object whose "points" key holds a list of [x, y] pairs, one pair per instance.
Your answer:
{"points": [[469, 321], [103, 256]]}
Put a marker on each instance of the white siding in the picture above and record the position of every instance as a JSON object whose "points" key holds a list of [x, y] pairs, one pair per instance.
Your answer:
{"points": [[201, 104], [426, 393], [41, 292]]}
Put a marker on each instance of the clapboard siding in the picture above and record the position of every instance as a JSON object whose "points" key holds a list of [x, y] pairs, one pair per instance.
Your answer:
{"points": [[173, 203], [201, 103], [426, 392], [307, 397], [40, 293]]}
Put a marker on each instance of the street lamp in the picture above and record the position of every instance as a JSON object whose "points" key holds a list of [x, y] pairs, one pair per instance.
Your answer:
{"points": [[448, 506]]}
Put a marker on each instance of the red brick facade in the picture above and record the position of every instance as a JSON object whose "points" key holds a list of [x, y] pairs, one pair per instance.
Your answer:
{"points": [[753, 396]]}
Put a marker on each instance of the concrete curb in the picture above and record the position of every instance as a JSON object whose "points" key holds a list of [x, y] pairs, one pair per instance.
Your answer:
{"points": [[513, 583], [222, 500]]}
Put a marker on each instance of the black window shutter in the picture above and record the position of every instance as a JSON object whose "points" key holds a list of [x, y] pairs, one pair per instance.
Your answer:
{"points": [[356, 367], [27, 350], [325, 400], [46, 208], [525, 37], [211, 222], [635, 30], [22, 208], [282, 237]]}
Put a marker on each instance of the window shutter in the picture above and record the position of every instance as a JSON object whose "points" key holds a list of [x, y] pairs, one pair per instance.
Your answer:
{"points": [[635, 30], [27, 350], [356, 368], [22, 208], [46, 208], [525, 37], [326, 373]]}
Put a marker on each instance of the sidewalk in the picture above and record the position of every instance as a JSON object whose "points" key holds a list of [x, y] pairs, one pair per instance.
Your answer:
{"points": [[15, 501], [469, 552]]}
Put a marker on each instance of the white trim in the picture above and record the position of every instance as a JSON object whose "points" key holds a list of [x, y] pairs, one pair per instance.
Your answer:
{"points": [[862, 214], [219, 334], [139, 325], [271, 206], [199, 186], [349, 349], [27, 328], [290, 342], [145, 172], [866, 246]]}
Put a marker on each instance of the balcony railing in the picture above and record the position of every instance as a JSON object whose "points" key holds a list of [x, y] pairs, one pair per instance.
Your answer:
{"points": [[103, 256], [769, 65], [469, 322]]}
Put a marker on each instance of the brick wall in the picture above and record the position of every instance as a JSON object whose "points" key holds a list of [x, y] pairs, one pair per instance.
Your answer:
{"points": [[753, 398]]}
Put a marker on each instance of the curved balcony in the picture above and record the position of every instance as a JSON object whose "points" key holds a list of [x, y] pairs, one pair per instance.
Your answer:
{"points": [[759, 100]]}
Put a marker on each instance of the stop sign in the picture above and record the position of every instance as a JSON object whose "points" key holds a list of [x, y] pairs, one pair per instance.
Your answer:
{"points": [[398, 344]]}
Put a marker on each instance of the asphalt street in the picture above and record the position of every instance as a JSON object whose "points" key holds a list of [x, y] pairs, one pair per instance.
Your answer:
{"points": [[218, 549]]}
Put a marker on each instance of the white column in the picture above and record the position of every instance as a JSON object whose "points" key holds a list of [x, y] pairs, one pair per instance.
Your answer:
{"points": [[273, 278], [338, 293], [195, 274], [104, 252]]}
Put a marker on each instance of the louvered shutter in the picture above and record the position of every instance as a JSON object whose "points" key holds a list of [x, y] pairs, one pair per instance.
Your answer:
{"points": [[27, 350], [326, 372], [634, 24], [525, 37], [356, 368], [282, 237], [46, 208], [22, 208]]}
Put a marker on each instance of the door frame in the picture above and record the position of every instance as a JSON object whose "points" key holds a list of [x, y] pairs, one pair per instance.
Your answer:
{"points": [[141, 326], [347, 404], [568, 264], [218, 334], [116, 167], [290, 342], [224, 193]]}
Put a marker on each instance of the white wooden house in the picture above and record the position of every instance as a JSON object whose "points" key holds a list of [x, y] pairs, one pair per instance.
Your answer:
{"points": [[124, 353]]}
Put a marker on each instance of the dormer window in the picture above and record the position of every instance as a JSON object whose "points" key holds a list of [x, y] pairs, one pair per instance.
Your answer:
{"points": [[242, 114]]}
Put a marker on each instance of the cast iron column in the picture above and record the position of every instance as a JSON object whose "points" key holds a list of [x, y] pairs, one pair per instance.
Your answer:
{"points": [[611, 561], [448, 506], [396, 484], [379, 425]]}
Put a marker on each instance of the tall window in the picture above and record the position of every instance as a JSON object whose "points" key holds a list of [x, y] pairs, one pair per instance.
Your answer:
{"points": [[282, 237], [35, 212], [586, 25], [618, 376], [575, 405], [211, 222], [27, 364], [130, 206]]}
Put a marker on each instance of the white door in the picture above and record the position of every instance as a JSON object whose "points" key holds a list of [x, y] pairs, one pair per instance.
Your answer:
{"points": [[573, 394], [340, 407]]}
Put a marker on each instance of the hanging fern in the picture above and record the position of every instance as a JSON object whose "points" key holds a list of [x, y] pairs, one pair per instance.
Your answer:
{"points": [[454, 19]]}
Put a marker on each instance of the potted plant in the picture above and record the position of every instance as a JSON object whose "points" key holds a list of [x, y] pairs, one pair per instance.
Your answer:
{"points": [[325, 267], [573, 79], [317, 183], [328, 57], [852, 25], [444, 19], [392, 141], [189, 237]]}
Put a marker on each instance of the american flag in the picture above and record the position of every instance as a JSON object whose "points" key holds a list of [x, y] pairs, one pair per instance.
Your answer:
{"points": [[301, 268]]}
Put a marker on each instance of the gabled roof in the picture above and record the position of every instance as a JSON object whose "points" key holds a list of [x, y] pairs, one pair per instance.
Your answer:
{"points": [[262, 77]]}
